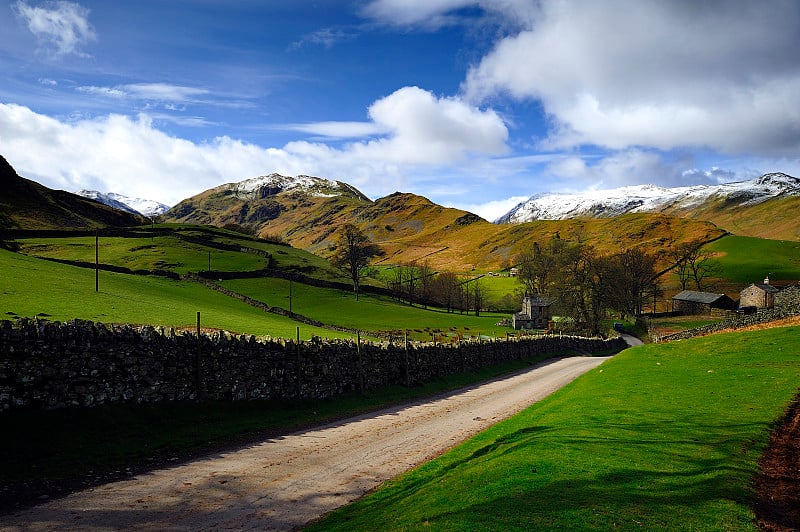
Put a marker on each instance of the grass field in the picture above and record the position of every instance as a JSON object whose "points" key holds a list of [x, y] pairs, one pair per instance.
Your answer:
{"points": [[157, 253], [184, 249], [663, 436], [369, 313], [746, 260], [35, 287]]}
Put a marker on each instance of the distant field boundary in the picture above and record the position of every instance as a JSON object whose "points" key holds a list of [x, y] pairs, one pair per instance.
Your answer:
{"points": [[46, 365]]}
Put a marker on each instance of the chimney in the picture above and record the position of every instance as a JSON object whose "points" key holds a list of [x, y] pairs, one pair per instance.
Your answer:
{"points": [[766, 279]]}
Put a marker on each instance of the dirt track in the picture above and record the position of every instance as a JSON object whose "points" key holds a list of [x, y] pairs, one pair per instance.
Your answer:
{"points": [[283, 483]]}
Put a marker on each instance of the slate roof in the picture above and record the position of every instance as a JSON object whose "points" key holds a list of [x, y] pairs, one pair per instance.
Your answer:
{"points": [[692, 296], [768, 288], [537, 301]]}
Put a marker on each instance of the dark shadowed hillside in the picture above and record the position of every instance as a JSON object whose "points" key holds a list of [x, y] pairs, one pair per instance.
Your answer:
{"points": [[25, 204]]}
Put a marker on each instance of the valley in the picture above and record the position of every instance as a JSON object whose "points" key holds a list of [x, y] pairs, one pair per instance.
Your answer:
{"points": [[271, 245]]}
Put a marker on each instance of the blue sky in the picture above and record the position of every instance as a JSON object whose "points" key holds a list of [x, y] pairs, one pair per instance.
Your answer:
{"points": [[473, 104]]}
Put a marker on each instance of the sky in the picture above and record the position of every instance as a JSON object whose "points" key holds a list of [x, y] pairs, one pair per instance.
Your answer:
{"points": [[473, 104]]}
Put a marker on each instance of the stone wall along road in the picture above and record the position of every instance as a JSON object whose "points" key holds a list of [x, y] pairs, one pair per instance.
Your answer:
{"points": [[283, 483]]}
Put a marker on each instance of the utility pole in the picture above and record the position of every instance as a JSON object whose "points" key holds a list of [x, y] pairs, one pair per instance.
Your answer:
{"points": [[96, 260]]}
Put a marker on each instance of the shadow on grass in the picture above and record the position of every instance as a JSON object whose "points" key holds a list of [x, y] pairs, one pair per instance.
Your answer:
{"points": [[667, 474]]}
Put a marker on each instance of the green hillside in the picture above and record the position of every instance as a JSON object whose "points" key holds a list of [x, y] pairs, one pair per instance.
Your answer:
{"points": [[370, 312], [182, 249], [64, 292], [35, 287], [663, 436], [746, 260]]}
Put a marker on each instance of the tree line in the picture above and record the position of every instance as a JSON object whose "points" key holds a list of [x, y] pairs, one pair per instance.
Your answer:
{"points": [[584, 284], [412, 283]]}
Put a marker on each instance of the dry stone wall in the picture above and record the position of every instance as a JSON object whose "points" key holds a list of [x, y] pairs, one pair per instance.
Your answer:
{"points": [[787, 304], [82, 364]]}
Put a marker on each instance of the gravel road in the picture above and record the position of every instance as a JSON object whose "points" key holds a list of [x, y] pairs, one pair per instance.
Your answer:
{"points": [[283, 483]]}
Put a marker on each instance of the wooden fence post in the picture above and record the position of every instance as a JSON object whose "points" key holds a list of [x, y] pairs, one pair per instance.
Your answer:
{"points": [[198, 377], [360, 363], [408, 369], [299, 369]]}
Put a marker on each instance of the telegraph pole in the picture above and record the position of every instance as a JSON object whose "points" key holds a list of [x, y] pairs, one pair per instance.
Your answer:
{"points": [[96, 260]]}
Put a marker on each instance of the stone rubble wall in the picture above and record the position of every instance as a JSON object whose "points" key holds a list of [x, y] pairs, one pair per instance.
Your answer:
{"points": [[48, 365], [787, 304]]}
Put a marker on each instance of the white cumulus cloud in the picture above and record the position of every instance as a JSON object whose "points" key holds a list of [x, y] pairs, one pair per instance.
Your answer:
{"points": [[431, 130], [620, 74], [117, 153]]}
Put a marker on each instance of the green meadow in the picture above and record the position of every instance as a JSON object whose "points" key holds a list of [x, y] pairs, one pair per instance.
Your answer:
{"points": [[34, 287], [663, 436], [745, 260], [369, 313], [157, 253], [183, 249]]}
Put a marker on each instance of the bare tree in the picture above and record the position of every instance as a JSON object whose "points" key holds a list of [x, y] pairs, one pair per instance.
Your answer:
{"points": [[682, 255], [634, 280], [353, 252], [583, 284], [477, 296], [538, 266], [444, 288], [425, 274], [694, 264]]}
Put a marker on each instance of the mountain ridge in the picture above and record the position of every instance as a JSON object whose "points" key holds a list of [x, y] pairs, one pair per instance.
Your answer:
{"points": [[651, 198], [307, 212]]}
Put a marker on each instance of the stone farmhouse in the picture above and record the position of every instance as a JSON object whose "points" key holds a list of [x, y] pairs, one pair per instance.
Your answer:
{"points": [[535, 313], [758, 295]]}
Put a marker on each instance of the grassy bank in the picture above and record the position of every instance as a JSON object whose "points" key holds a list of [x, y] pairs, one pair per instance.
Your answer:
{"points": [[661, 436]]}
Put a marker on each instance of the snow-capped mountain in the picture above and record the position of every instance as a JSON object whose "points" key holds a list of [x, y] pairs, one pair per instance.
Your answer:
{"points": [[124, 203], [650, 198], [273, 184]]}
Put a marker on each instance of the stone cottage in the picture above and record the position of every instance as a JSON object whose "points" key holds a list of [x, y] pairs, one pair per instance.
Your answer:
{"points": [[758, 295], [535, 313]]}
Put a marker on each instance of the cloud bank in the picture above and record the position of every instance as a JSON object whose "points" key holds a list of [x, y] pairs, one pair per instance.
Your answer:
{"points": [[721, 75], [417, 129]]}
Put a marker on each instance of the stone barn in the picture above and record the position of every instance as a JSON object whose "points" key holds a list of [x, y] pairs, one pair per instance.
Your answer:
{"points": [[693, 302], [535, 313], [758, 295]]}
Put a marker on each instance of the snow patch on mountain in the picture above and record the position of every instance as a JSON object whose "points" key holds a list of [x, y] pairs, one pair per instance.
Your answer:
{"points": [[649, 198], [121, 202], [273, 184]]}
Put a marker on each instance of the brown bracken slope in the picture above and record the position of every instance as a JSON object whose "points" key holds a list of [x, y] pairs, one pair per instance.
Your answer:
{"points": [[411, 228]]}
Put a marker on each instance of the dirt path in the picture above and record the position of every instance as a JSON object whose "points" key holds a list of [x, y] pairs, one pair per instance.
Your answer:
{"points": [[283, 483]]}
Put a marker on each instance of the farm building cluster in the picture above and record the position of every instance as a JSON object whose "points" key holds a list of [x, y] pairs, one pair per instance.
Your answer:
{"points": [[536, 311], [754, 297]]}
